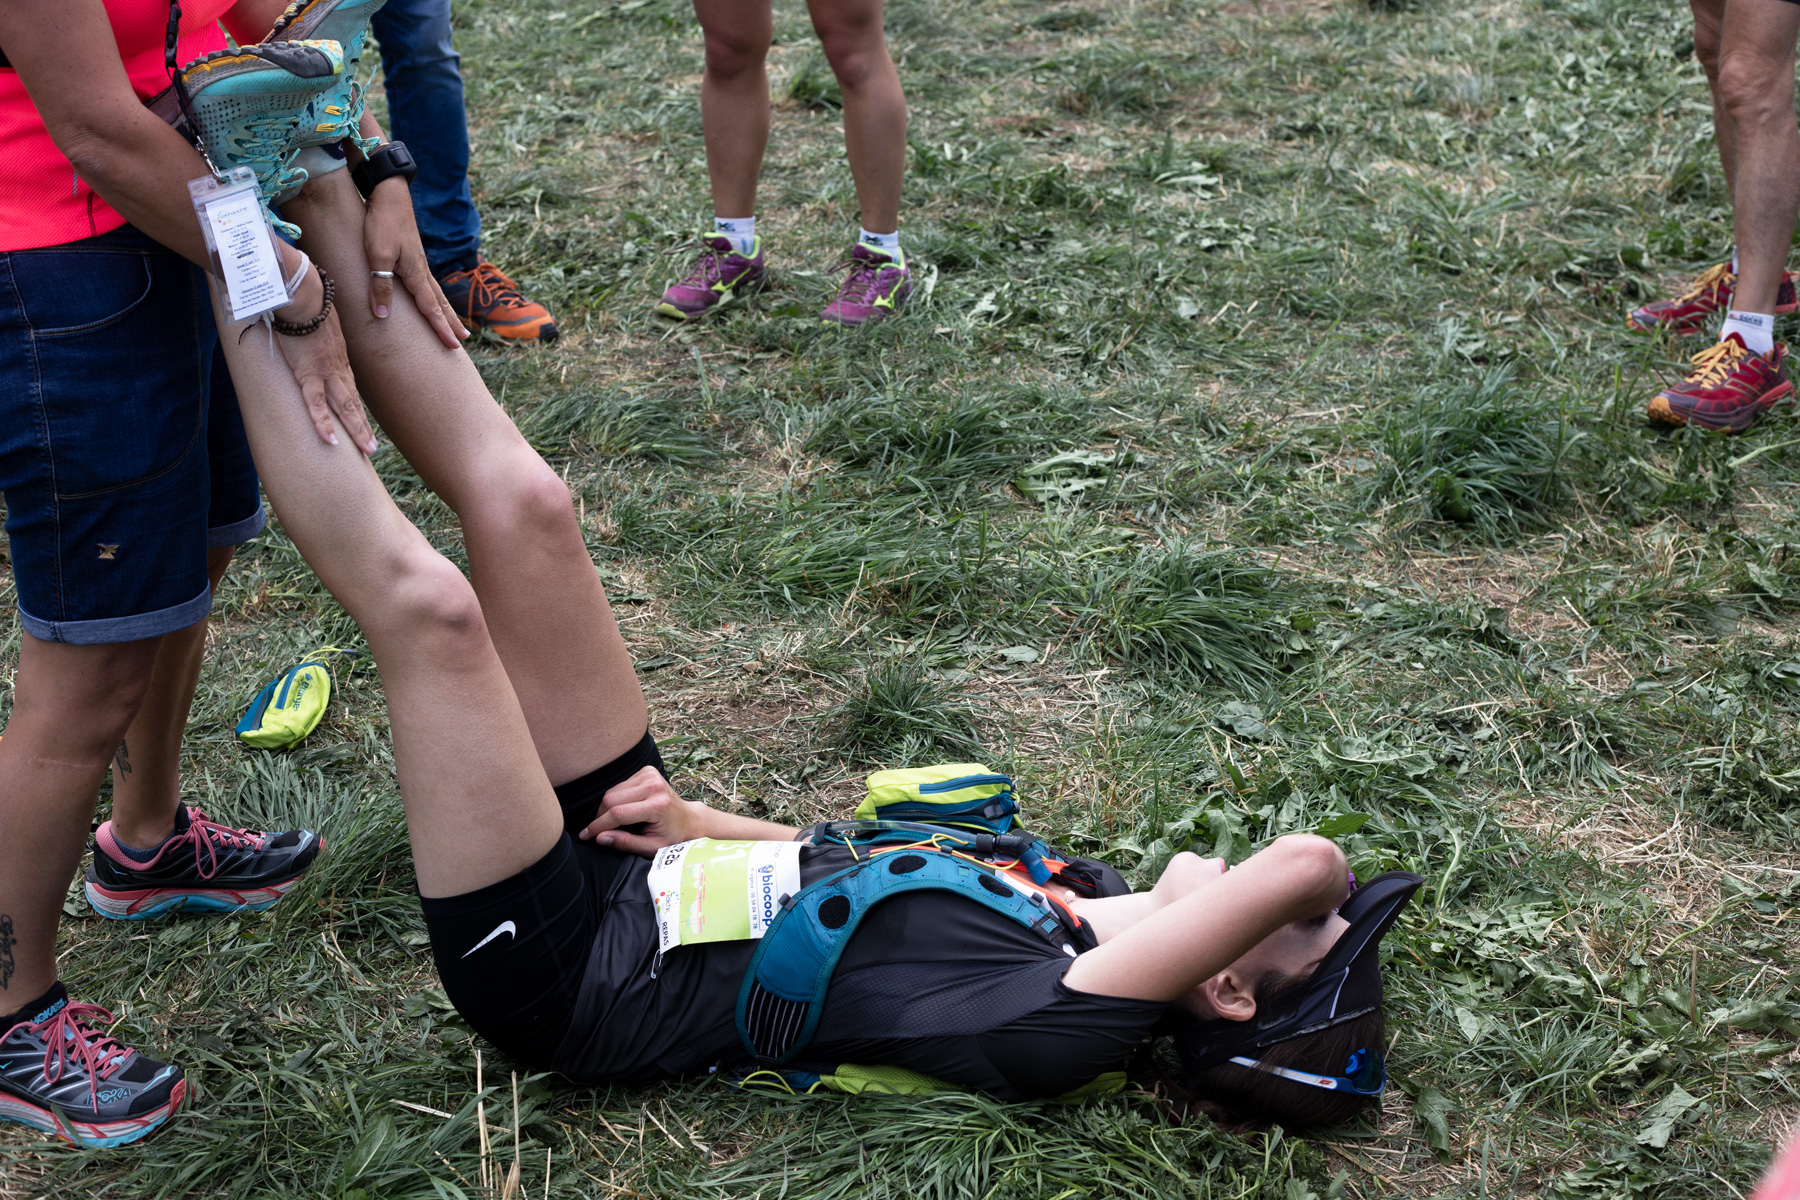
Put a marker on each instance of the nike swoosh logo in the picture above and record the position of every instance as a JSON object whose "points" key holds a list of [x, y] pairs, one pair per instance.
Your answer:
{"points": [[504, 927]]}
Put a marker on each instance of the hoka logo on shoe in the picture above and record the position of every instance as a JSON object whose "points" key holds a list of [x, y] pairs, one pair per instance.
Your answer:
{"points": [[111, 1094], [48, 1012]]}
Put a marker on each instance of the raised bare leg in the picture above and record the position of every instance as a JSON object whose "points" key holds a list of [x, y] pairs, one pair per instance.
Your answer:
{"points": [[478, 806], [545, 608]]}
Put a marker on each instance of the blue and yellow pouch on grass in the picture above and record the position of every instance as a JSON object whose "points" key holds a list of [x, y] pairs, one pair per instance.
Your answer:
{"points": [[291, 705], [959, 795]]}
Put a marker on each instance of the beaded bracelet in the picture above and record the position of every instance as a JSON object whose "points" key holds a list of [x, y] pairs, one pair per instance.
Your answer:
{"points": [[302, 328]]}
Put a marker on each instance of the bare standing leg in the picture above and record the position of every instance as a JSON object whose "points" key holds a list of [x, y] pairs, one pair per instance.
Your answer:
{"points": [[147, 765], [874, 106], [1756, 87], [734, 99], [1709, 17], [71, 705]]}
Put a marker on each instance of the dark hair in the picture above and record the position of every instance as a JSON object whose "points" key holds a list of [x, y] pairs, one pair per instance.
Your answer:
{"points": [[1239, 1095]]}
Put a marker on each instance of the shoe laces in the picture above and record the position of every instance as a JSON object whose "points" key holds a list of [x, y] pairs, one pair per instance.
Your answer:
{"points": [[708, 268], [71, 1040], [489, 287], [207, 838], [863, 281], [1714, 363], [1711, 280]]}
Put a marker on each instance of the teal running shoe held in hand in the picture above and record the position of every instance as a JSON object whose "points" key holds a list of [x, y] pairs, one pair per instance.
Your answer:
{"points": [[336, 115], [249, 104]]}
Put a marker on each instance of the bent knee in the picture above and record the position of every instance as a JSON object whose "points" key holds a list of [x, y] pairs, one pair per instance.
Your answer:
{"points": [[525, 500], [428, 598], [854, 58]]}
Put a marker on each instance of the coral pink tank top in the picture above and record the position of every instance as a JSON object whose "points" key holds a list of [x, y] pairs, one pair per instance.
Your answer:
{"points": [[42, 203]]}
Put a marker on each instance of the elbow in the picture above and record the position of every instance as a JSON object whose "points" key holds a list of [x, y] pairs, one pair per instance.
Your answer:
{"points": [[1317, 867], [89, 151]]}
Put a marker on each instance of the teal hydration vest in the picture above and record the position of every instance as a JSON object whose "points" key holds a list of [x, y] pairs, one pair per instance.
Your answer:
{"points": [[783, 995]]}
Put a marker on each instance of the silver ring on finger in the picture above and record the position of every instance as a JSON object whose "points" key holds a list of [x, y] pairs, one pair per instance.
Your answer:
{"points": [[382, 274]]}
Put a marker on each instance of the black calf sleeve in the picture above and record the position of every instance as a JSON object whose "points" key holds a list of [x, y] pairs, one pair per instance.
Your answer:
{"points": [[580, 798]]}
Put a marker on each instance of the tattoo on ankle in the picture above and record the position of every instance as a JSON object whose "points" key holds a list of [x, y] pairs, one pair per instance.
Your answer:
{"points": [[122, 760], [7, 942]]}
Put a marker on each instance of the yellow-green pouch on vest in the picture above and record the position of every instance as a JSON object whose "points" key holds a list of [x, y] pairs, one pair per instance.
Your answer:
{"points": [[291, 705], [962, 795]]}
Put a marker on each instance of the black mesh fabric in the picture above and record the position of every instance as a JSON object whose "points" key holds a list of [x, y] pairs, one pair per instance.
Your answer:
{"points": [[899, 1000]]}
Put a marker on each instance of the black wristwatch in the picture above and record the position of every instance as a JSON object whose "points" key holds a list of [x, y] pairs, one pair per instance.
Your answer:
{"points": [[382, 164]]}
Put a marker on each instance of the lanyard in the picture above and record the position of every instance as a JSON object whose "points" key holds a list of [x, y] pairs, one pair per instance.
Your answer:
{"points": [[171, 52]]}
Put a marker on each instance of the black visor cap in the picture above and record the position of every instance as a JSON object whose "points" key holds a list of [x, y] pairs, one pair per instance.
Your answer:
{"points": [[1347, 984]]}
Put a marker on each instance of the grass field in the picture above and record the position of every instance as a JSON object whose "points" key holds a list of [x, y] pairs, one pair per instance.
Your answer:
{"points": [[1262, 451]]}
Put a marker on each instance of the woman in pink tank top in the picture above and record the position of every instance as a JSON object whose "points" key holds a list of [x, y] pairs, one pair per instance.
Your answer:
{"points": [[119, 410], [128, 481]]}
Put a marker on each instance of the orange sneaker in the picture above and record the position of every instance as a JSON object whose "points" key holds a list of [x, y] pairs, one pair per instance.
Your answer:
{"points": [[484, 296]]}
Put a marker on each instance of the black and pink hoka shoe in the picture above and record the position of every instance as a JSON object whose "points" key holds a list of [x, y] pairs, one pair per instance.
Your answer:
{"points": [[202, 865], [61, 1074]]}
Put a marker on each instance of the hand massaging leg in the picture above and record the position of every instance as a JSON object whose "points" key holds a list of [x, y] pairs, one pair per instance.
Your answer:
{"points": [[546, 610]]}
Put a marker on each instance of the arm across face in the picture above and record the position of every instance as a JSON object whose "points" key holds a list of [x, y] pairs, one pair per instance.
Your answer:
{"points": [[1110, 915], [1181, 944]]}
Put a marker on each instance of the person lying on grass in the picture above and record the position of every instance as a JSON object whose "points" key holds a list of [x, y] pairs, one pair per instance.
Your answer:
{"points": [[536, 899]]}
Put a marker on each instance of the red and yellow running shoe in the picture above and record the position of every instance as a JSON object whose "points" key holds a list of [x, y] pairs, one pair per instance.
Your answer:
{"points": [[1706, 298], [484, 296], [1729, 387]]}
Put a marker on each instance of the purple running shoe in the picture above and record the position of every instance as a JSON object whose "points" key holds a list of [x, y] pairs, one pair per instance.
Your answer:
{"points": [[875, 288], [719, 275]]}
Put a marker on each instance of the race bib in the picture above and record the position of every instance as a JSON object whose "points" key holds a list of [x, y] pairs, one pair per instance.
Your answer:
{"points": [[713, 891]]}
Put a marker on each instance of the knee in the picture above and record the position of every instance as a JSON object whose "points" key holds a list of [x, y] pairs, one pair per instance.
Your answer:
{"points": [[87, 699], [733, 57], [854, 55], [429, 601], [527, 502], [1754, 87]]}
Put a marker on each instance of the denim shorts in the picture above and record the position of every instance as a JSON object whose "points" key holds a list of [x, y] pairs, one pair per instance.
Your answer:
{"points": [[122, 452]]}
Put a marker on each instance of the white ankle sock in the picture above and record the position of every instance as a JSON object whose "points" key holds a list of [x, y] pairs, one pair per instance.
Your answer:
{"points": [[887, 243], [1756, 329], [741, 231]]}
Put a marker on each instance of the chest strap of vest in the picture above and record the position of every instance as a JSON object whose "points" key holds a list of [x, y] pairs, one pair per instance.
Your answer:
{"points": [[783, 995]]}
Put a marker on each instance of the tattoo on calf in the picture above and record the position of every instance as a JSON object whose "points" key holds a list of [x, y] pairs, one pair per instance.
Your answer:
{"points": [[7, 942], [122, 760]]}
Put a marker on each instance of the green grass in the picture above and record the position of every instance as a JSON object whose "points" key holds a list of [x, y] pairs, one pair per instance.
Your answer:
{"points": [[1261, 451]]}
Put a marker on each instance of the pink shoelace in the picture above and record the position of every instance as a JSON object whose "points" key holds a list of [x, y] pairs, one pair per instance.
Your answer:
{"points": [[708, 269], [206, 837], [863, 283], [71, 1038]]}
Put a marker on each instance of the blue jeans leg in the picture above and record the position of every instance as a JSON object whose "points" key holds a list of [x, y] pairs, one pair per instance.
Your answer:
{"points": [[425, 110]]}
